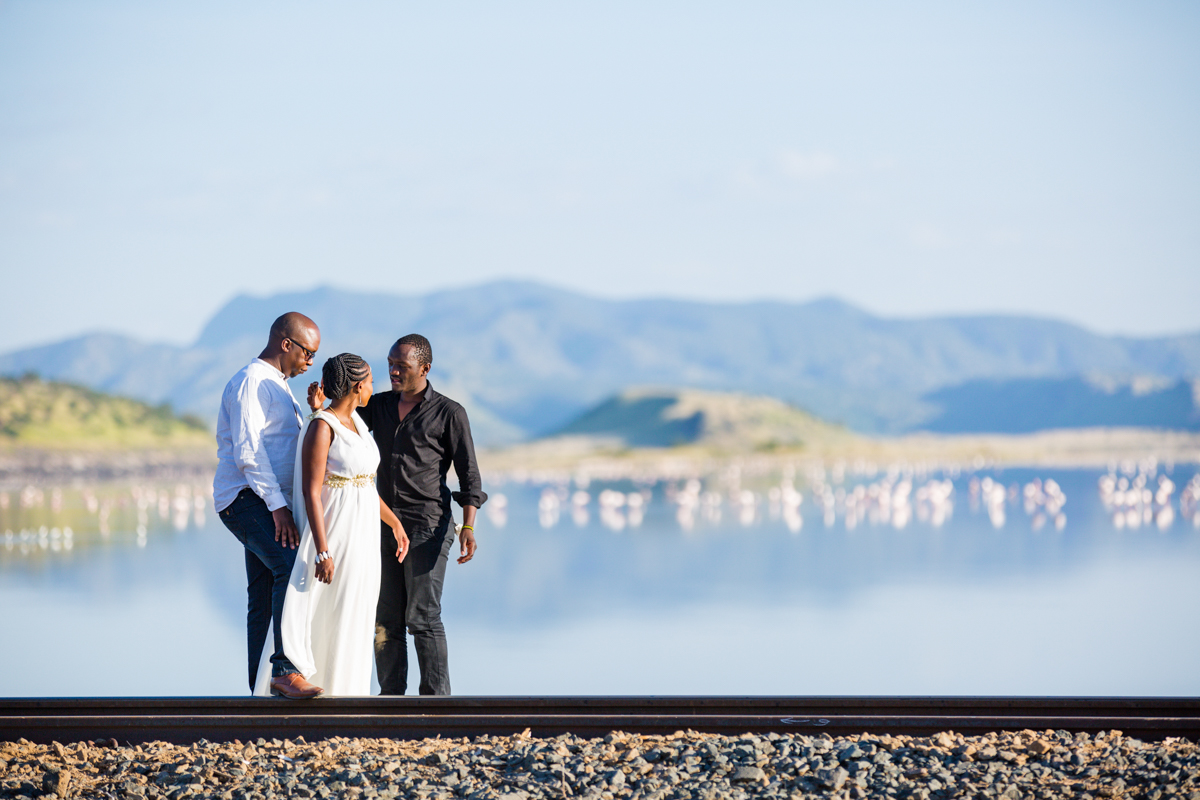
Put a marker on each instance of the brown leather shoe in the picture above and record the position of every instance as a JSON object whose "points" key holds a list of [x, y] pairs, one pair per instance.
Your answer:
{"points": [[294, 687]]}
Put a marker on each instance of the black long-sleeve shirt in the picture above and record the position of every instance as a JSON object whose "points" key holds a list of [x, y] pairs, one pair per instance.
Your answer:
{"points": [[416, 453]]}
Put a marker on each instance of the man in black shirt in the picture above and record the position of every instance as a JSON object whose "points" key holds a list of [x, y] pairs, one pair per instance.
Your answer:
{"points": [[420, 433]]}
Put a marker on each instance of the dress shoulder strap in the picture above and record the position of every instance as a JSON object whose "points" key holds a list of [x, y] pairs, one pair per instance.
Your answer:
{"points": [[330, 419]]}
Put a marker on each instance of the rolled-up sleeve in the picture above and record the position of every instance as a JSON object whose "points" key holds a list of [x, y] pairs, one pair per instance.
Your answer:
{"points": [[249, 453], [470, 483]]}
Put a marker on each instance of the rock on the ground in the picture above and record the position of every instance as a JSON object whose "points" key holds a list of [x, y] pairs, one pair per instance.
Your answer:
{"points": [[619, 766]]}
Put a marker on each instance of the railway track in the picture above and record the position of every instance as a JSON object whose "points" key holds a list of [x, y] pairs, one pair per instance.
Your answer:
{"points": [[187, 720]]}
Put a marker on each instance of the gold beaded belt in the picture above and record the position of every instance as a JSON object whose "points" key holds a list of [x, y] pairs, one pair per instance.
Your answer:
{"points": [[341, 481]]}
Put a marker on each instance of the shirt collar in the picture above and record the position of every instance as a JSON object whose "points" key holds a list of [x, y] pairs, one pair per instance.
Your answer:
{"points": [[271, 367], [429, 392]]}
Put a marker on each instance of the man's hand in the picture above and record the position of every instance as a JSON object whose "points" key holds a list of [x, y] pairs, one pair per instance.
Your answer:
{"points": [[401, 542], [285, 528], [316, 396], [466, 540]]}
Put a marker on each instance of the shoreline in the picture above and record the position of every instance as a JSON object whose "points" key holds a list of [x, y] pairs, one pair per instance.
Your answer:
{"points": [[551, 459], [36, 466]]}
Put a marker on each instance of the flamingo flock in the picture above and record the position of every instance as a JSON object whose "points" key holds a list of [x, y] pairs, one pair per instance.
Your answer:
{"points": [[1189, 501], [1134, 496], [1146, 500], [617, 510], [894, 497], [128, 508], [1044, 501], [865, 496], [27, 540], [889, 501]]}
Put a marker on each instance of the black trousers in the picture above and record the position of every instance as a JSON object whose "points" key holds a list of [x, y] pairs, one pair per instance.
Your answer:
{"points": [[410, 598]]}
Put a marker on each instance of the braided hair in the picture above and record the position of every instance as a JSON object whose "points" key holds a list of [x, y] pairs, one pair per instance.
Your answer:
{"points": [[341, 372]]}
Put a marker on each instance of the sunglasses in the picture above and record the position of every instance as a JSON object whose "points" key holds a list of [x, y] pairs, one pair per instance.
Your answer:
{"points": [[309, 355]]}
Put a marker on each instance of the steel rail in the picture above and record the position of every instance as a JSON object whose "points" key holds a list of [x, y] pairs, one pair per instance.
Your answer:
{"points": [[187, 720]]}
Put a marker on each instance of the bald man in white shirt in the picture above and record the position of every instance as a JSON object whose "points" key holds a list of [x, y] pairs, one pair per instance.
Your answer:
{"points": [[257, 429]]}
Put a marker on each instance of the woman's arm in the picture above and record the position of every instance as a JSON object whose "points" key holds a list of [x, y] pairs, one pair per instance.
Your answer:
{"points": [[313, 455], [392, 521]]}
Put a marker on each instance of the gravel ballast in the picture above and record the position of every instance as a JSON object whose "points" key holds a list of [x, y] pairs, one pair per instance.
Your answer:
{"points": [[680, 766]]}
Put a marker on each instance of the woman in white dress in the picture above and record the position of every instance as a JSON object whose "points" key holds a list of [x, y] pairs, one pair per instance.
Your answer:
{"points": [[329, 613]]}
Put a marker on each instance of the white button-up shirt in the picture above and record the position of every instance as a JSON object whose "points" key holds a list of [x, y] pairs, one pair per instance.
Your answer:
{"points": [[257, 431]]}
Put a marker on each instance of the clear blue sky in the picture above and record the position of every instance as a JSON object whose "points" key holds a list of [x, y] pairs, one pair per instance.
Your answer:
{"points": [[912, 158]]}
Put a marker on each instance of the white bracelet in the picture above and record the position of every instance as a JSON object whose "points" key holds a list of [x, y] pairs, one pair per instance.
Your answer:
{"points": [[321, 556]]}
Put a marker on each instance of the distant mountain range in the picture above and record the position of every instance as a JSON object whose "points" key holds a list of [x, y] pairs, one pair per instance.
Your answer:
{"points": [[527, 359]]}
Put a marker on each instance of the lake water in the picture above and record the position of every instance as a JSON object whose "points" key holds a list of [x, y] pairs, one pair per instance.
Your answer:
{"points": [[976, 583]]}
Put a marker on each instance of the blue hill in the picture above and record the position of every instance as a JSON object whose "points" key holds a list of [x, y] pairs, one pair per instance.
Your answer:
{"points": [[1030, 404]]}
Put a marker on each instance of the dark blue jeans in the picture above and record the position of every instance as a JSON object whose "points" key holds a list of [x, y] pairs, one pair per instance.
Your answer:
{"points": [[268, 568], [410, 597]]}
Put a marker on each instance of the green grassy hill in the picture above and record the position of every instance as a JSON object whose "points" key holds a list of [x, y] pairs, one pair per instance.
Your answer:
{"points": [[719, 420], [47, 415]]}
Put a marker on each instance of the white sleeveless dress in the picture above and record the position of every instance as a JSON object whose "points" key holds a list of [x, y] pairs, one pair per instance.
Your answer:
{"points": [[329, 629]]}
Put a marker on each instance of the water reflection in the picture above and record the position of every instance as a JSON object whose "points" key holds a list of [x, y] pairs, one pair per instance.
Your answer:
{"points": [[37, 520], [803, 580]]}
